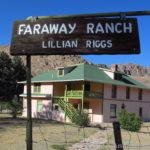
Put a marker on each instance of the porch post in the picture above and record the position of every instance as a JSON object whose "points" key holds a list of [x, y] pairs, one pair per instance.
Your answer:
{"points": [[82, 103], [65, 98], [103, 102]]}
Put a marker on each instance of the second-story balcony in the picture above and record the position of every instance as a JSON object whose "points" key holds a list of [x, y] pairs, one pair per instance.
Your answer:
{"points": [[85, 94]]}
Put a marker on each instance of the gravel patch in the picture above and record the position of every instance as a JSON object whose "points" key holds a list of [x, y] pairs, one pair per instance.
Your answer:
{"points": [[94, 142]]}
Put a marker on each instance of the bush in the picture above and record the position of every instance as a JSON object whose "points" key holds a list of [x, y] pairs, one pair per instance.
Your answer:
{"points": [[81, 119], [129, 121], [59, 147], [15, 106]]}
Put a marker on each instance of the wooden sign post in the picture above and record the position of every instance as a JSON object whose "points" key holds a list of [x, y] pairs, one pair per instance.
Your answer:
{"points": [[29, 106], [117, 136]]}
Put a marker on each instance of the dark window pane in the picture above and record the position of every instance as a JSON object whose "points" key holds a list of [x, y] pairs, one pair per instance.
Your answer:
{"points": [[114, 91], [140, 94], [69, 86], [127, 92], [113, 110], [140, 112], [87, 87]]}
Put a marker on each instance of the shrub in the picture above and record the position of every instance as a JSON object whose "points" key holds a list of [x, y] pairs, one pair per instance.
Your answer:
{"points": [[81, 119], [15, 106], [129, 121], [59, 147]]}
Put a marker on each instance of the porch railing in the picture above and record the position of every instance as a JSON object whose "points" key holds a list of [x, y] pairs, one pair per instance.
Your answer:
{"points": [[90, 94], [74, 93], [87, 94]]}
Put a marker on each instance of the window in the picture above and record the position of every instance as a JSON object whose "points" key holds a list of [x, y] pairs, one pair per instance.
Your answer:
{"points": [[37, 88], [127, 92], [117, 76], [86, 106], [56, 107], [69, 86], [39, 106], [114, 91], [60, 72], [140, 112], [113, 110], [87, 86], [140, 94]]}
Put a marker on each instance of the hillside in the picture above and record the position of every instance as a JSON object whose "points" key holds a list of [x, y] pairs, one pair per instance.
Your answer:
{"points": [[45, 63], [138, 72]]}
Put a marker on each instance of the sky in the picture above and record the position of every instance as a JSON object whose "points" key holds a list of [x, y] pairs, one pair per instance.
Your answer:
{"points": [[11, 10]]}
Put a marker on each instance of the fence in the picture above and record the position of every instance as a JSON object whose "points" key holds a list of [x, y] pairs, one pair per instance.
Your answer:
{"points": [[50, 135]]}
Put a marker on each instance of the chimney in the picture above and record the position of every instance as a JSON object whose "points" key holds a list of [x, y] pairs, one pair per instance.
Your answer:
{"points": [[114, 67]]}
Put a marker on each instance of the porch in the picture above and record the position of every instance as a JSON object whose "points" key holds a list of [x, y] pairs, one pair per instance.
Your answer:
{"points": [[82, 96]]}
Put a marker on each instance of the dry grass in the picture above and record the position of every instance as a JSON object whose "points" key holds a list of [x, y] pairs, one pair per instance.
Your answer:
{"points": [[45, 134], [131, 140], [48, 133]]}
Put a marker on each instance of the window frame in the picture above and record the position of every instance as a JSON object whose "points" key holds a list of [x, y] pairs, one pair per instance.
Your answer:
{"points": [[114, 91], [140, 112], [128, 91], [37, 88], [140, 94], [69, 86], [60, 72], [39, 106], [113, 110]]}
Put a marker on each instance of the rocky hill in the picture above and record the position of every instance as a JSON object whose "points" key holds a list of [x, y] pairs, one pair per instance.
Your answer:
{"points": [[135, 70], [45, 63], [138, 72]]}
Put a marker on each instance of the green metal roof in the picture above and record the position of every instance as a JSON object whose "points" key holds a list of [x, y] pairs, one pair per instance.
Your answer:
{"points": [[86, 72]]}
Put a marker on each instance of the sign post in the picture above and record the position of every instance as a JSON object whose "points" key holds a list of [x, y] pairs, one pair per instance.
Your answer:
{"points": [[29, 106], [117, 136]]}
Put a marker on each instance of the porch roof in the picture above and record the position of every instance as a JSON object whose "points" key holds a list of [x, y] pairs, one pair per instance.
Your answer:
{"points": [[86, 72], [36, 95]]}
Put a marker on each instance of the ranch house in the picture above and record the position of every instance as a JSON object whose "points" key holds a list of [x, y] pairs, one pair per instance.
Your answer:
{"points": [[61, 93]]}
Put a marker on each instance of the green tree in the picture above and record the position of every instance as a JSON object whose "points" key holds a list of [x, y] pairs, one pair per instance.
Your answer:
{"points": [[6, 73], [15, 106], [11, 71], [19, 74]]}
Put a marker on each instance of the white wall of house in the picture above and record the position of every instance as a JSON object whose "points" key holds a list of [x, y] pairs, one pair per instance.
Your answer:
{"points": [[132, 104], [46, 112], [95, 111], [34, 108], [46, 88]]}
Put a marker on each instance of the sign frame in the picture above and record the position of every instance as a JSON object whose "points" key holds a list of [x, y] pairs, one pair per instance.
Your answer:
{"points": [[27, 39]]}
